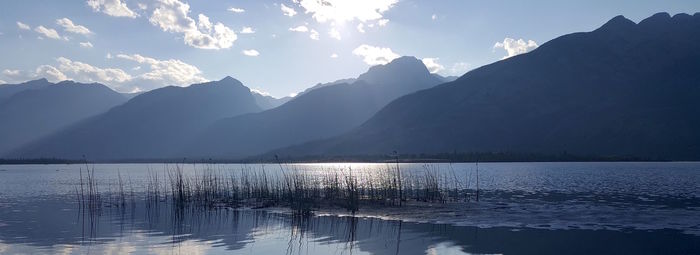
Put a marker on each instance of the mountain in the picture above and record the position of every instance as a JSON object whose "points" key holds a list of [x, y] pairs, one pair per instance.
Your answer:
{"points": [[624, 89], [8, 90], [151, 125], [445, 78], [37, 108], [130, 95], [321, 85], [319, 113], [266, 102]]}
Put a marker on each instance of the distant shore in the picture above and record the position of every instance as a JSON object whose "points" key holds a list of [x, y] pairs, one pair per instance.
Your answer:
{"points": [[408, 158]]}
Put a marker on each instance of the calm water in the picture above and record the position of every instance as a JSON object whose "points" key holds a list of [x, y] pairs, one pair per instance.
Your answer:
{"points": [[526, 208]]}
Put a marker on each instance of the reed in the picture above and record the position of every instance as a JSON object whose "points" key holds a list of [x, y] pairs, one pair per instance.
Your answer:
{"points": [[89, 197], [301, 190]]}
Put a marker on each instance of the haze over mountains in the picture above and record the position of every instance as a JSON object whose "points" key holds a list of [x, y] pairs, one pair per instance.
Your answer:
{"points": [[266, 102], [176, 122], [151, 125], [8, 90], [38, 108], [323, 112], [624, 89]]}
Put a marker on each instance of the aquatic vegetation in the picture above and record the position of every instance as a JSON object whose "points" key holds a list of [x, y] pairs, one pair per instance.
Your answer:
{"points": [[301, 190]]}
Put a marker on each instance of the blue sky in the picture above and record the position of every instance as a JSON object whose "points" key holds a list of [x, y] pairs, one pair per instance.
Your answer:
{"points": [[280, 47]]}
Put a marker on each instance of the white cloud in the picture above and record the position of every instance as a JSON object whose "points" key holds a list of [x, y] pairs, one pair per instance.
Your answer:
{"points": [[166, 72], [87, 73], [287, 11], [160, 73], [313, 34], [302, 29], [375, 55], [109, 56], [47, 32], [70, 70], [434, 17], [86, 44], [382, 22], [23, 26], [340, 11], [2, 82], [69, 26], [251, 53], [432, 65], [115, 8], [334, 33], [515, 47], [236, 10], [247, 30], [334, 55], [142, 6], [361, 27], [17, 76], [44, 71], [460, 68], [10, 72], [172, 16], [50, 73]]}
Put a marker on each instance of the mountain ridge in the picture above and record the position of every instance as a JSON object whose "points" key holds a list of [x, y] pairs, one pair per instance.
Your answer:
{"points": [[44, 107], [615, 91], [150, 125], [321, 112]]}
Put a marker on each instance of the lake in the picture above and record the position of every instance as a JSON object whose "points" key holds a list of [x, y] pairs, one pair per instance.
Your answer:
{"points": [[524, 208]]}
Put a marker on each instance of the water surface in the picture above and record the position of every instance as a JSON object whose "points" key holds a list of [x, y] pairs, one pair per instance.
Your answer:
{"points": [[525, 208]]}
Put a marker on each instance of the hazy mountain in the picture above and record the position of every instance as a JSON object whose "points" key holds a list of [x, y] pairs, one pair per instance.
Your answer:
{"points": [[623, 89], [151, 125], [321, 85], [445, 78], [8, 90], [268, 102], [37, 108], [322, 112], [130, 95]]}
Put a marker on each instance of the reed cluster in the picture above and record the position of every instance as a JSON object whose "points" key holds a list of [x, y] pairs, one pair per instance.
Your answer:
{"points": [[302, 190]]}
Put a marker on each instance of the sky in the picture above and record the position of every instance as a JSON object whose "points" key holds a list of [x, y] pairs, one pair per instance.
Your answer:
{"points": [[281, 47]]}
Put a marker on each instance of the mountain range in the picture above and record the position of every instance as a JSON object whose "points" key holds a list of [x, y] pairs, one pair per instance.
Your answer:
{"points": [[625, 89], [151, 125], [322, 112], [225, 119], [35, 109]]}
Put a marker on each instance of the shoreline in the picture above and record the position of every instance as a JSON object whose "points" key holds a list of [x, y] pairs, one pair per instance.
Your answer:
{"points": [[406, 161]]}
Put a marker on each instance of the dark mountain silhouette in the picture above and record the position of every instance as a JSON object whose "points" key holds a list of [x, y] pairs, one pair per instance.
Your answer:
{"points": [[8, 90], [319, 113], [151, 125], [623, 89], [267, 102], [38, 108]]}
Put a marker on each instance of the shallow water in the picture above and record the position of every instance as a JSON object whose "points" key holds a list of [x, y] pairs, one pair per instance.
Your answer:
{"points": [[526, 208]]}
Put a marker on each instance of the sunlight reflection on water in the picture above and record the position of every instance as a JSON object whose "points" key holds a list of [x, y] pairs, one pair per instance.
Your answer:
{"points": [[569, 207]]}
